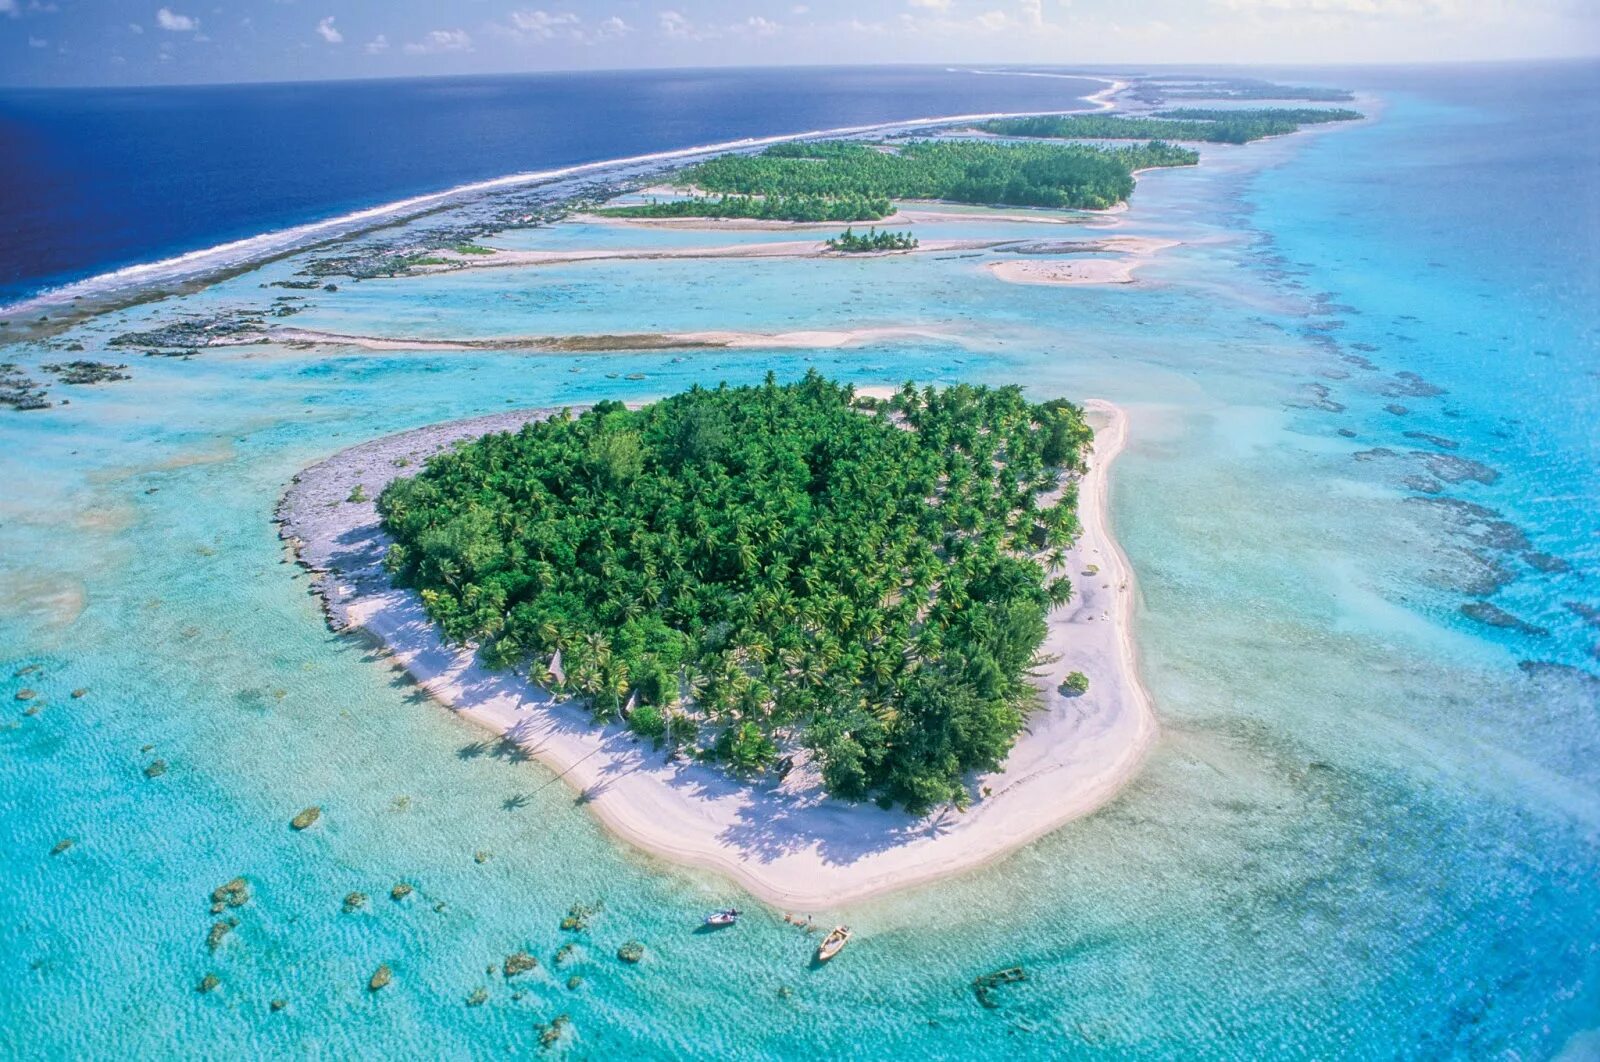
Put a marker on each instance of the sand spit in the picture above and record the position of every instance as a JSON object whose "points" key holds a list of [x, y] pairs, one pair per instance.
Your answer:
{"points": [[786, 843], [614, 343], [776, 249], [1058, 270]]}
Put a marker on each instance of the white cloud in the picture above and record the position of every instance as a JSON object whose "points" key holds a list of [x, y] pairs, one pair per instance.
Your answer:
{"points": [[328, 33], [613, 27], [1393, 8], [167, 19], [542, 24], [9, 7], [36, 42], [378, 44], [675, 25], [800, 9], [761, 27], [1027, 18], [441, 41]]}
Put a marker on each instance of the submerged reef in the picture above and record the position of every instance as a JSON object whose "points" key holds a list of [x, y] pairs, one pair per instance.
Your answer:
{"points": [[193, 331], [86, 372], [18, 390], [22, 393]]}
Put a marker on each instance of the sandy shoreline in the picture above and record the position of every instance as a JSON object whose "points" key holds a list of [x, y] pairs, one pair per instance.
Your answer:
{"points": [[906, 212], [786, 844]]}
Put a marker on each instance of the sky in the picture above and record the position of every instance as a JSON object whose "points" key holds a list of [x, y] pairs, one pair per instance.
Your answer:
{"points": [[100, 42]]}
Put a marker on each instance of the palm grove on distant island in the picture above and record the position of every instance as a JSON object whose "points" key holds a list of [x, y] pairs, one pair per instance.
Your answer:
{"points": [[872, 241], [852, 180], [745, 572], [1217, 126]]}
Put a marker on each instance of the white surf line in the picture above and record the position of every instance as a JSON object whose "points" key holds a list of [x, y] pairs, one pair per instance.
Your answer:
{"points": [[194, 265], [1102, 100]]}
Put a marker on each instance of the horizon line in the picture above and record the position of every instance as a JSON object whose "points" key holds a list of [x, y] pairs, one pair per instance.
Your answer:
{"points": [[1089, 69]]}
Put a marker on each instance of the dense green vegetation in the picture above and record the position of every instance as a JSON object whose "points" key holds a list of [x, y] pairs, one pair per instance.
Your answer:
{"points": [[767, 208], [964, 171], [1297, 115], [1156, 89], [764, 569], [851, 242], [1212, 126]]}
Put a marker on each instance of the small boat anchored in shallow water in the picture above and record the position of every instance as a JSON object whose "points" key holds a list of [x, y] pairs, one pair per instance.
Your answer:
{"points": [[726, 917], [833, 943]]}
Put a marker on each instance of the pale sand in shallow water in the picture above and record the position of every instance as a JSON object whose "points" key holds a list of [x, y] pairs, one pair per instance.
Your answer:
{"points": [[1134, 251], [786, 843], [600, 344], [774, 249], [1033, 270], [1069, 272]]}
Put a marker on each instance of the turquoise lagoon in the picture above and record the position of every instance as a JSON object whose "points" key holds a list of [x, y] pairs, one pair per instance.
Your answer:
{"points": [[1368, 830]]}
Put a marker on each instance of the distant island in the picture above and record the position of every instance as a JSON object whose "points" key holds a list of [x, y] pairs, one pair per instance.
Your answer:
{"points": [[743, 573], [854, 180], [1211, 125], [1158, 89]]}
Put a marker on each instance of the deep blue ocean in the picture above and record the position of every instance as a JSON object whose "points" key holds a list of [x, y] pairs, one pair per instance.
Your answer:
{"points": [[98, 179]]}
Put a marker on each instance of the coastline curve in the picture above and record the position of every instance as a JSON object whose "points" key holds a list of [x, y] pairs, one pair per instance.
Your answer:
{"points": [[143, 280]]}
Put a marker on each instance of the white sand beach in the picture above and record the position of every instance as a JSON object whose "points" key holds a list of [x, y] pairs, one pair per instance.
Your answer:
{"points": [[787, 844]]}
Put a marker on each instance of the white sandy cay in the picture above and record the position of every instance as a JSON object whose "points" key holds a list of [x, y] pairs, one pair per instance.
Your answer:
{"points": [[1131, 253], [787, 843], [1070, 273]]}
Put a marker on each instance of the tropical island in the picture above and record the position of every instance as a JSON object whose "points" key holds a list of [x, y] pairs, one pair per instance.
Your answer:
{"points": [[1210, 125], [1156, 89], [856, 180], [745, 572], [872, 241], [829, 643]]}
